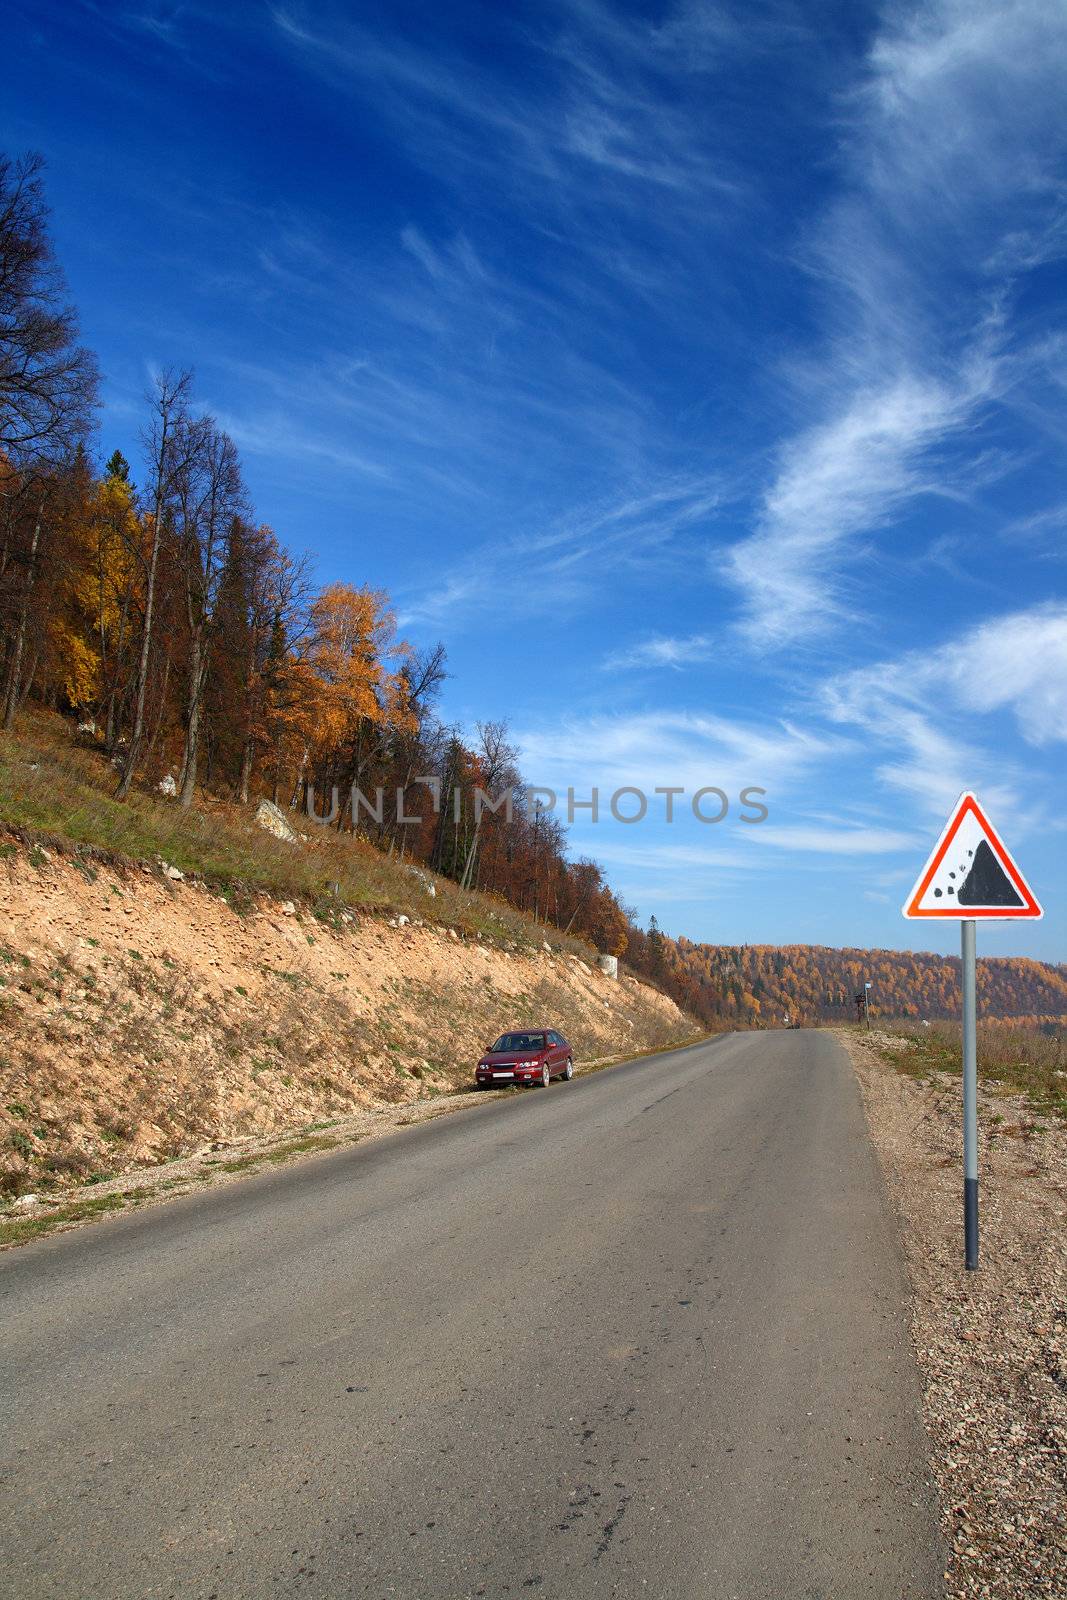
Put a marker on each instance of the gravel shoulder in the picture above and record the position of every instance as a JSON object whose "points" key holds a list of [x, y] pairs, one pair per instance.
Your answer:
{"points": [[991, 1346]]}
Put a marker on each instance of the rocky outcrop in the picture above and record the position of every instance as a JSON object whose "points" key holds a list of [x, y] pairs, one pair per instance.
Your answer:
{"points": [[273, 818]]}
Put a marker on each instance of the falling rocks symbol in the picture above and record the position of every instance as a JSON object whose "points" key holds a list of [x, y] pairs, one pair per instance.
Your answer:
{"points": [[987, 884]]}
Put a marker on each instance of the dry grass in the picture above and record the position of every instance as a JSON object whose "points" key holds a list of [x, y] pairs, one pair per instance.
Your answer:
{"points": [[58, 791], [145, 1018], [1013, 1058]]}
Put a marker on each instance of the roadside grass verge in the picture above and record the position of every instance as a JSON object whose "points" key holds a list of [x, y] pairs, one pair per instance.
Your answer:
{"points": [[1012, 1059], [18, 1229]]}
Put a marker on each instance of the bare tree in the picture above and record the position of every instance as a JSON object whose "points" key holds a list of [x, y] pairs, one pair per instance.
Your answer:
{"points": [[497, 760], [423, 672], [169, 441], [208, 494], [48, 382]]}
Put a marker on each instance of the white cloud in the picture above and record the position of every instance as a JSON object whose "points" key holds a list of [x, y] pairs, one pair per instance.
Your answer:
{"points": [[662, 652], [950, 189], [604, 106], [834, 841], [843, 478], [557, 564], [456, 264], [1014, 663], [653, 749]]}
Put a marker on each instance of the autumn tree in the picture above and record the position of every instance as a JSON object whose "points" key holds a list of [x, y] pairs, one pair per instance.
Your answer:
{"points": [[115, 534]]}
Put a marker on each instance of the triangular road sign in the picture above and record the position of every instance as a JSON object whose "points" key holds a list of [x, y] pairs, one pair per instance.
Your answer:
{"points": [[970, 873]]}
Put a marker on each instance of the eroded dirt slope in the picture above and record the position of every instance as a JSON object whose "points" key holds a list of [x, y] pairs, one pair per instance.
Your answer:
{"points": [[141, 1017]]}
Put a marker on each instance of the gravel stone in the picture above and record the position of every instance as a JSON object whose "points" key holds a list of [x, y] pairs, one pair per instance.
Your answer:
{"points": [[991, 1345]]}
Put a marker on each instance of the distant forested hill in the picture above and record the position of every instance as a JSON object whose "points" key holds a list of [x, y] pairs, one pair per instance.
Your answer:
{"points": [[762, 984]]}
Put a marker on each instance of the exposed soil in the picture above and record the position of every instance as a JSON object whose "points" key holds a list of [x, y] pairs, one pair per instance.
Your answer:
{"points": [[144, 1018], [991, 1345]]}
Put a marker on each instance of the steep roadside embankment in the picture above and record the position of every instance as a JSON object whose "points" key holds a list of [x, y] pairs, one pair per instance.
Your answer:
{"points": [[142, 1017]]}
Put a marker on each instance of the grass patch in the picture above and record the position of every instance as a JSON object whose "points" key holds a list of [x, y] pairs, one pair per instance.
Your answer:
{"points": [[19, 1230], [281, 1152], [59, 795], [1014, 1059]]}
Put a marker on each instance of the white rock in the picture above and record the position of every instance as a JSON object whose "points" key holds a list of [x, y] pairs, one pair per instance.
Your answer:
{"points": [[402, 921], [547, 947], [273, 818], [288, 908], [175, 873], [86, 727], [167, 786], [26, 1202], [431, 890]]}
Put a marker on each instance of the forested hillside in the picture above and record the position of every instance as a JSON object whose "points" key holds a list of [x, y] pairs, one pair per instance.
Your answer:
{"points": [[151, 605], [190, 651], [761, 985]]}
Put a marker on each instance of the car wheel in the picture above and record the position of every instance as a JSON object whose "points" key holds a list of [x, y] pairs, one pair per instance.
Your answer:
{"points": [[546, 1075], [568, 1071]]}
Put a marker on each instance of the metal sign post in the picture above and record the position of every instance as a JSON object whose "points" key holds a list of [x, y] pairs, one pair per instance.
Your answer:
{"points": [[970, 876], [970, 1095]]}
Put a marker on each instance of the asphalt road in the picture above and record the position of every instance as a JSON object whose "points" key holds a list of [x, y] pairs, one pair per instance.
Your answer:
{"points": [[642, 1334]]}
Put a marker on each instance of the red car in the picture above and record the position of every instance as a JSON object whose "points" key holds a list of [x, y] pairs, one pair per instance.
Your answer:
{"points": [[535, 1057]]}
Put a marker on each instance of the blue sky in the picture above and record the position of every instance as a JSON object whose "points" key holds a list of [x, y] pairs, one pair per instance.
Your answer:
{"points": [[695, 371]]}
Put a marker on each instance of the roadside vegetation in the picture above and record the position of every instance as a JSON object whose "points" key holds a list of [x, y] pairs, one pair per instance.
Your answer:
{"points": [[1013, 1058], [57, 791], [191, 649], [147, 1010]]}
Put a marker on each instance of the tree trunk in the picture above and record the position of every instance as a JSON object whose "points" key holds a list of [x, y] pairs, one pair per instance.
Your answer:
{"points": [[298, 787], [197, 665], [246, 768], [137, 733], [12, 699]]}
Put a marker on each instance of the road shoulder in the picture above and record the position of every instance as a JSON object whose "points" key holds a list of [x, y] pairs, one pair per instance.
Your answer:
{"points": [[991, 1346], [30, 1217]]}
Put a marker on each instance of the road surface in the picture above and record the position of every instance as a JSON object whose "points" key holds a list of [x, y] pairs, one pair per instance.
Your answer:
{"points": [[642, 1334]]}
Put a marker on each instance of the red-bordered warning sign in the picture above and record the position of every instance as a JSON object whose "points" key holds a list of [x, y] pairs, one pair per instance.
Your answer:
{"points": [[970, 873]]}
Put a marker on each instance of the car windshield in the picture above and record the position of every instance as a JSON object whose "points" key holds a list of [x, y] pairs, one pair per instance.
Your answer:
{"points": [[520, 1041]]}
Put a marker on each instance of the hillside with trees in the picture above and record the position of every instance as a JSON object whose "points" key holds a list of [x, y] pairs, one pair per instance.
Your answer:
{"points": [[764, 985], [154, 609]]}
